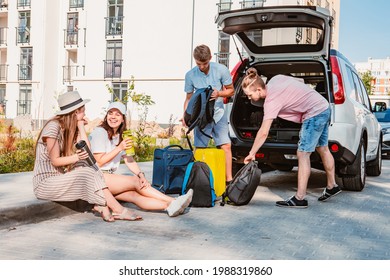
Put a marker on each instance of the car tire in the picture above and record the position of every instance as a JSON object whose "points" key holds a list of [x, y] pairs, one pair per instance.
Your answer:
{"points": [[375, 167], [356, 182]]}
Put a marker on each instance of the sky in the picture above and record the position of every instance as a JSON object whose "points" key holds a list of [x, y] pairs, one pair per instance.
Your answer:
{"points": [[364, 29]]}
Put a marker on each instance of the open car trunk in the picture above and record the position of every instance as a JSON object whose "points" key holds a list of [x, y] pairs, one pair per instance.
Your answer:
{"points": [[246, 118]]}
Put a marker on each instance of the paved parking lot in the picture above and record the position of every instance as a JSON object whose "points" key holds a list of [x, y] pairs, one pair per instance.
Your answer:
{"points": [[351, 226]]}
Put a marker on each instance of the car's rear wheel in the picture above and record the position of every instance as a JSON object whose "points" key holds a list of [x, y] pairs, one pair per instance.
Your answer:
{"points": [[375, 168], [356, 182]]}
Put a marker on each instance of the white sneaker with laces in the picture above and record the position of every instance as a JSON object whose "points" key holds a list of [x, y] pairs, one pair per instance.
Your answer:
{"points": [[178, 205]]}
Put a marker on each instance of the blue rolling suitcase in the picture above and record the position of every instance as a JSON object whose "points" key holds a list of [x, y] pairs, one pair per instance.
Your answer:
{"points": [[169, 167]]}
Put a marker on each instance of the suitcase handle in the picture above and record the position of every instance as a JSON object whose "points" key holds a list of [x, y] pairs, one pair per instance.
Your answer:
{"points": [[173, 146]]}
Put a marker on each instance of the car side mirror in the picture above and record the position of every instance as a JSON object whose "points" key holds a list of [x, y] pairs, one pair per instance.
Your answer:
{"points": [[380, 107]]}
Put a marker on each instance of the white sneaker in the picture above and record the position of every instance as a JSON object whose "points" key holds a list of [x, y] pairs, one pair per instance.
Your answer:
{"points": [[178, 205]]}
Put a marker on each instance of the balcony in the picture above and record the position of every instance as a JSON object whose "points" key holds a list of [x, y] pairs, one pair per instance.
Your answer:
{"points": [[114, 26], [69, 73], [25, 72], [3, 4], [252, 4], [75, 4], [23, 107], [24, 4], [3, 72], [23, 35], [224, 6], [113, 68], [71, 37], [223, 58], [3, 36]]}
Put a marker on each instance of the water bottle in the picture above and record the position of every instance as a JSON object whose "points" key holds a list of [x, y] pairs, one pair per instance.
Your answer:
{"points": [[82, 145]]}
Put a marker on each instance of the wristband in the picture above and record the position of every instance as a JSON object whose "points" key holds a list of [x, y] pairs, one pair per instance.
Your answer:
{"points": [[138, 175]]}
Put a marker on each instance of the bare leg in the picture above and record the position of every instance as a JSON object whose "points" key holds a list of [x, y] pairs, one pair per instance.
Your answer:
{"points": [[328, 162], [228, 160], [143, 202], [304, 170], [123, 187]]}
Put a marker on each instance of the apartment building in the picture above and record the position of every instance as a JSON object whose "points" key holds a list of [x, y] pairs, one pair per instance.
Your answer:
{"points": [[380, 70], [49, 47], [380, 84]]}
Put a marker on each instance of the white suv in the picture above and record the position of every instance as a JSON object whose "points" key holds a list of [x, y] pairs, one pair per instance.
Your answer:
{"points": [[295, 40]]}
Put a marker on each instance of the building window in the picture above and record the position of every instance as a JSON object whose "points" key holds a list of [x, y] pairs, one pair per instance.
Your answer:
{"points": [[224, 5], [252, 4], [25, 66], [113, 62], [119, 92], [223, 49], [3, 72], [298, 35], [309, 35], [114, 20], [23, 29], [3, 101], [3, 35], [24, 102], [74, 4], [72, 29], [24, 3]]}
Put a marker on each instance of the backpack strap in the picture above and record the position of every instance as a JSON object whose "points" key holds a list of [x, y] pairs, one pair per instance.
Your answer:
{"points": [[186, 177]]}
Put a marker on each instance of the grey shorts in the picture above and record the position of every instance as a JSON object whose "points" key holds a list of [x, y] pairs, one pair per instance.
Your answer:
{"points": [[218, 131]]}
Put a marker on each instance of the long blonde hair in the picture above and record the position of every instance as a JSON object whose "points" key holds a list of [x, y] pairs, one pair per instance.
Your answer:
{"points": [[252, 78], [68, 124]]}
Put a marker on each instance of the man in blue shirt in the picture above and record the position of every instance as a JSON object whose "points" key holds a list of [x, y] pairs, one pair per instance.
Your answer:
{"points": [[216, 75]]}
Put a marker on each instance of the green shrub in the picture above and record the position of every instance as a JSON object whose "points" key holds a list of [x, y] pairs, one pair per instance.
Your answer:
{"points": [[20, 159]]}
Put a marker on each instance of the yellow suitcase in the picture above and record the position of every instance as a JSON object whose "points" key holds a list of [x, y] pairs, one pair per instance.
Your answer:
{"points": [[215, 159]]}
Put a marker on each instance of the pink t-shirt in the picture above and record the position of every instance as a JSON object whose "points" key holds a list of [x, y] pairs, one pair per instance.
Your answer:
{"points": [[291, 99]]}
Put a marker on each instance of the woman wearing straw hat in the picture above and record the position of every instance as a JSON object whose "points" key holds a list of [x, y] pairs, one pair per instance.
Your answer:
{"points": [[108, 147], [61, 173]]}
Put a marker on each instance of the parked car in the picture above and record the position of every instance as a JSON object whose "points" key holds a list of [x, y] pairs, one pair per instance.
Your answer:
{"points": [[295, 40], [383, 116]]}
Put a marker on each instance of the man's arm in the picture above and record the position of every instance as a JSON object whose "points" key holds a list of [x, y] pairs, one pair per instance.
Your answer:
{"points": [[261, 136], [227, 91]]}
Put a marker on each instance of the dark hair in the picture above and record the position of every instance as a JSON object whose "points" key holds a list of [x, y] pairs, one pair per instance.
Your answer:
{"points": [[110, 131]]}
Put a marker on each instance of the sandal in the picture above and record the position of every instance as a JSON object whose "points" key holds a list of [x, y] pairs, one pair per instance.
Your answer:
{"points": [[101, 210], [126, 215]]}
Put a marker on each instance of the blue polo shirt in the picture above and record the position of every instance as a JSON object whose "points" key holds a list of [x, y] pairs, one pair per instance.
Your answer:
{"points": [[217, 77]]}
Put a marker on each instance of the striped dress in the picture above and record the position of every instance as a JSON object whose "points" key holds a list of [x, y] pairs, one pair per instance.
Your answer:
{"points": [[53, 183]]}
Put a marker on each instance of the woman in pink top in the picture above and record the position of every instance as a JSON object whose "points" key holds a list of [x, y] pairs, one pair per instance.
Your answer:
{"points": [[291, 99]]}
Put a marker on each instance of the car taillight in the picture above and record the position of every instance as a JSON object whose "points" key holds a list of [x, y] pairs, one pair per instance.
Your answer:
{"points": [[247, 134], [259, 155], [338, 88], [334, 148]]}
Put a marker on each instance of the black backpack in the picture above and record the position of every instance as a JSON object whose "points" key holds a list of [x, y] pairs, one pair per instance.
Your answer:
{"points": [[200, 110], [199, 177], [243, 186]]}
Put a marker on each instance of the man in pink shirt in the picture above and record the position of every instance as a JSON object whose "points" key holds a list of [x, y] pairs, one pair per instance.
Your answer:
{"points": [[291, 99]]}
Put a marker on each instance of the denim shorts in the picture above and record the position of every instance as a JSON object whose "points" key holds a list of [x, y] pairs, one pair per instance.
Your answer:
{"points": [[314, 132], [218, 131]]}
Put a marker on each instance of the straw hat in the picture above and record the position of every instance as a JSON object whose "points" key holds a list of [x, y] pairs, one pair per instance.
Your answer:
{"points": [[69, 102], [119, 106]]}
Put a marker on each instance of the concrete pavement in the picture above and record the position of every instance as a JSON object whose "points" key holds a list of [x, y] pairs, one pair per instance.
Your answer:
{"points": [[351, 226]]}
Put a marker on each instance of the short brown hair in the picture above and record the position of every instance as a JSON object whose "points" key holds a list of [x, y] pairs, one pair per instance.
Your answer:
{"points": [[202, 53]]}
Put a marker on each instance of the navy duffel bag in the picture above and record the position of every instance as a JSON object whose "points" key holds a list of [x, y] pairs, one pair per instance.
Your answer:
{"points": [[169, 167]]}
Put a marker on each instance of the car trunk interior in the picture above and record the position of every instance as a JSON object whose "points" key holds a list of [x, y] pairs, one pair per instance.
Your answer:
{"points": [[246, 118]]}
